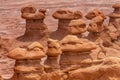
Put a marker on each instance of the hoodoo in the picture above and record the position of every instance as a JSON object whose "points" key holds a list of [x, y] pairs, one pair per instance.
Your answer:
{"points": [[75, 51], [64, 17], [27, 65], [36, 29], [53, 53], [114, 22]]}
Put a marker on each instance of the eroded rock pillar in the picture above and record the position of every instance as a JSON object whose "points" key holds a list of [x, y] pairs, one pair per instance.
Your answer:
{"points": [[75, 51], [64, 17], [27, 65], [53, 53], [36, 29]]}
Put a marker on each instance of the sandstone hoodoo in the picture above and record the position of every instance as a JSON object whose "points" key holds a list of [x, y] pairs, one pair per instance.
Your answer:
{"points": [[64, 17], [35, 27], [27, 65], [114, 22], [53, 53], [75, 51], [77, 27], [96, 26]]}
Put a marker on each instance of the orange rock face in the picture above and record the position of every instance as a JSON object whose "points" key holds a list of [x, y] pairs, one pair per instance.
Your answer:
{"points": [[107, 70], [35, 26], [64, 17], [75, 51], [53, 53], [68, 55], [27, 66], [77, 27]]}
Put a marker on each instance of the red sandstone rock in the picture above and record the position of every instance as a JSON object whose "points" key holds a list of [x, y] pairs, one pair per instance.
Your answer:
{"points": [[77, 27], [75, 51], [67, 14], [36, 29], [53, 53], [64, 17], [115, 19], [27, 66], [107, 70]]}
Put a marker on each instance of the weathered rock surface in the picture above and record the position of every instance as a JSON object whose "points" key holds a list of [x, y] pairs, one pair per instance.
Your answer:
{"points": [[107, 70], [64, 17], [27, 65], [75, 51], [36, 29], [53, 53], [77, 27]]}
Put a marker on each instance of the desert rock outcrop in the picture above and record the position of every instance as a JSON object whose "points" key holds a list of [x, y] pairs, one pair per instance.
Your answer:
{"points": [[64, 17], [77, 27], [75, 51], [53, 53], [108, 69], [35, 27], [27, 65]]}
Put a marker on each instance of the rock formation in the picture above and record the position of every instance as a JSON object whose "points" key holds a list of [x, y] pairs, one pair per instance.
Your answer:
{"points": [[96, 26], [27, 65], [64, 17], [36, 29], [77, 27], [114, 24], [108, 69], [68, 55], [115, 17], [98, 32], [53, 53], [75, 51]]}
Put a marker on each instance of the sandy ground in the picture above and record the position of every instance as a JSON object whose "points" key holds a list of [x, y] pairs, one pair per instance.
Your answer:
{"points": [[11, 24]]}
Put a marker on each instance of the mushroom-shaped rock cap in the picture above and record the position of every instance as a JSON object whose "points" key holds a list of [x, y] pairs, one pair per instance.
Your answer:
{"points": [[54, 48], [74, 44], [77, 26], [33, 52], [30, 12], [116, 5], [35, 45], [93, 13], [67, 14], [42, 10], [17, 53], [28, 9]]}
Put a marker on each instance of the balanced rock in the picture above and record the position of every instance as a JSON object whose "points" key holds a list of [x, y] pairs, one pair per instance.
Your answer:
{"points": [[97, 30], [53, 52], [75, 51], [36, 29], [115, 19], [27, 65], [64, 16]]}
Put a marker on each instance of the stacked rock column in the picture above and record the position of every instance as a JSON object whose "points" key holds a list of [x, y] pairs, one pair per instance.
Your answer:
{"points": [[27, 65], [77, 27], [53, 53], [64, 17], [75, 52], [36, 29], [114, 21]]}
